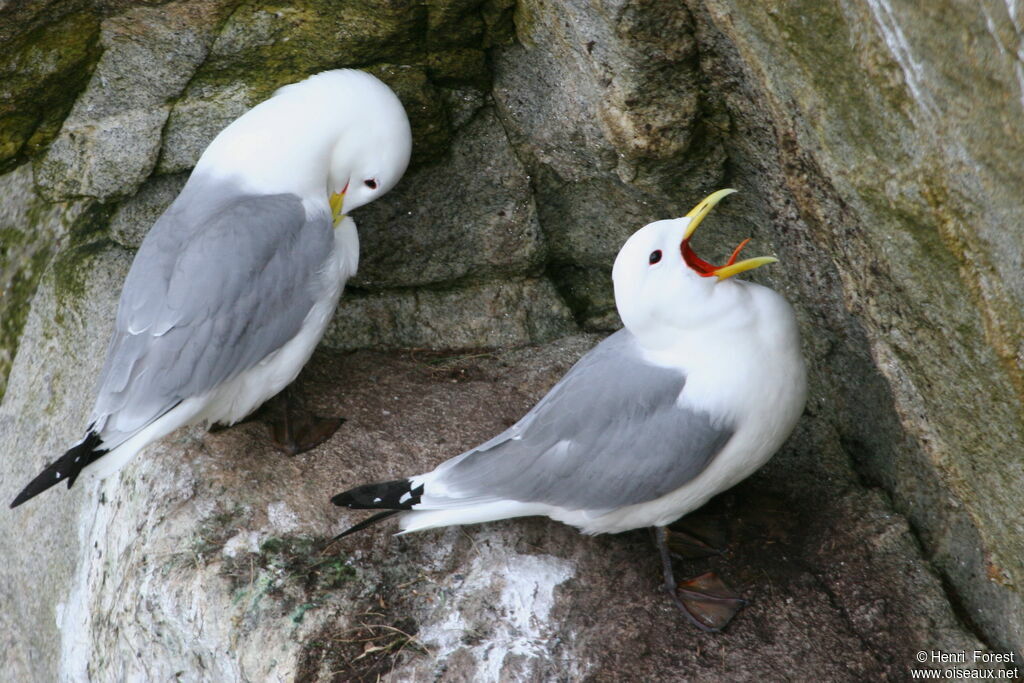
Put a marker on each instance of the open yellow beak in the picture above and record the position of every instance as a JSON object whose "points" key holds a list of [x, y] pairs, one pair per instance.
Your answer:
{"points": [[337, 200], [703, 268]]}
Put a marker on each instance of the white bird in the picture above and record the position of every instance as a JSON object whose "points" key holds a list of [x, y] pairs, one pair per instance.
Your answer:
{"points": [[234, 285], [699, 390]]}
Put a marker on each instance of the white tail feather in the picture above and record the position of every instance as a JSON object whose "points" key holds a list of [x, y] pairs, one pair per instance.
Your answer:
{"points": [[418, 520]]}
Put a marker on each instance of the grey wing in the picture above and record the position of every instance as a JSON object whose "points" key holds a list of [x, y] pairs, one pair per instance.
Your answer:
{"points": [[609, 434], [222, 280]]}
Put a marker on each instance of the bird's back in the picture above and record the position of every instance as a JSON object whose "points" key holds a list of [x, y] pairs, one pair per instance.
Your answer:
{"points": [[222, 280], [609, 434]]}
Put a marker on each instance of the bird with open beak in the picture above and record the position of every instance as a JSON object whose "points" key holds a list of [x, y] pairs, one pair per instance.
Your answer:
{"points": [[699, 389], [234, 285]]}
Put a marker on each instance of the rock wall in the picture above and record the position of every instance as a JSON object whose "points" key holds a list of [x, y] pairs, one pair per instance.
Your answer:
{"points": [[877, 152]]}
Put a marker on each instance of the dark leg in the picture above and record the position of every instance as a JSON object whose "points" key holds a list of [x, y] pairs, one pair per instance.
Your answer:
{"points": [[218, 427], [704, 600], [293, 429], [688, 546], [697, 535]]}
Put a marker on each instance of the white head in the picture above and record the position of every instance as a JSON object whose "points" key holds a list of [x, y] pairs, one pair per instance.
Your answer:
{"points": [[661, 285], [340, 135], [371, 154]]}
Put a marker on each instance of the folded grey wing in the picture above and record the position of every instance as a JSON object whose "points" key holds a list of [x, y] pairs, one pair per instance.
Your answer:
{"points": [[609, 434], [222, 280]]}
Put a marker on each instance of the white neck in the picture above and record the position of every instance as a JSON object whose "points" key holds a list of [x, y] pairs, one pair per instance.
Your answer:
{"points": [[723, 310], [725, 358]]}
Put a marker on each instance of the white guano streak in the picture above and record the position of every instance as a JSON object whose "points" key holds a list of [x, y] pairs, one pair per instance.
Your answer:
{"points": [[1018, 30], [526, 598], [1015, 54], [913, 70]]}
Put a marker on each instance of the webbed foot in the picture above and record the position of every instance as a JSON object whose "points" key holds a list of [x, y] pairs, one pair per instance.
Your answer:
{"points": [[705, 600], [296, 430]]}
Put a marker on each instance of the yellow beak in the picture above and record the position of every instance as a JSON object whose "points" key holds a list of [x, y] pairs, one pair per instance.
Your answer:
{"points": [[703, 268], [699, 212], [337, 200]]}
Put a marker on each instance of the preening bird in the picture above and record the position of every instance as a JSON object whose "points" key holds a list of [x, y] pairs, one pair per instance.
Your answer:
{"points": [[699, 389], [234, 285]]}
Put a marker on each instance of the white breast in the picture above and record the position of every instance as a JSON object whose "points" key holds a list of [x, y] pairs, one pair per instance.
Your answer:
{"points": [[233, 400], [753, 379]]}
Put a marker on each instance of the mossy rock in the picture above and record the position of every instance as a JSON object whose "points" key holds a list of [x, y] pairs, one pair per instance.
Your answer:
{"points": [[41, 74]]}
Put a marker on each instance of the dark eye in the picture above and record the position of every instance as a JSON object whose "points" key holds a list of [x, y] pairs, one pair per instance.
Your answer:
{"points": [[371, 183], [655, 256]]}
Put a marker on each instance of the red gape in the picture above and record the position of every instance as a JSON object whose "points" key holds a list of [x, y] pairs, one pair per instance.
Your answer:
{"points": [[703, 268]]}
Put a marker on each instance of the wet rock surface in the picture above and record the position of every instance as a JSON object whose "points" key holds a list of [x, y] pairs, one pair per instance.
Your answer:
{"points": [[877, 152]]}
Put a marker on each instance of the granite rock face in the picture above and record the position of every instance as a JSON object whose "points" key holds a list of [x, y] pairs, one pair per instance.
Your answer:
{"points": [[877, 149], [899, 163]]}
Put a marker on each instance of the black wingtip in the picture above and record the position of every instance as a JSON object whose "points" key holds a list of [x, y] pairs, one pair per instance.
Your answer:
{"points": [[65, 468], [391, 496], [388, 495], [23, 496], [51, 476], [369, 521]]}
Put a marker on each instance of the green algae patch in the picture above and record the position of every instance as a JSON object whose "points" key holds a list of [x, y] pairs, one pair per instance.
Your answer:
{"points": [[294, 570], [416, 48], [71, 269], [16, 301], [266, 45], [41, 74], [213, 532], [31, 233]]}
